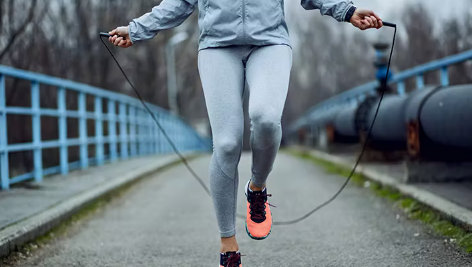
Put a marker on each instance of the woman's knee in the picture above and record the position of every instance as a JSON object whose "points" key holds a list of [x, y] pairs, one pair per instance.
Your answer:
{"points": [[227, 152], [265, 122], [228, 147]]}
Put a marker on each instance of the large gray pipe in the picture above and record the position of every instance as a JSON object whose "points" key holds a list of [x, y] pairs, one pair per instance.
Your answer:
{"points": [[390, 124], [446, 116], [439, 123], [345, 123]]}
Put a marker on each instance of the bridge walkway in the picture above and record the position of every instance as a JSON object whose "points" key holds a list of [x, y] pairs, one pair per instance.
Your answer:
{"points": [[167, 220]]}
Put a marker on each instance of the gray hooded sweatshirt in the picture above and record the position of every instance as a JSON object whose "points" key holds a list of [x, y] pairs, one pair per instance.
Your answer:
{"points": [[231, 22]]}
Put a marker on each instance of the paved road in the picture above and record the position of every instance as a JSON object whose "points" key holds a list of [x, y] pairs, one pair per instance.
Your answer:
{"points": [[167, 220]]}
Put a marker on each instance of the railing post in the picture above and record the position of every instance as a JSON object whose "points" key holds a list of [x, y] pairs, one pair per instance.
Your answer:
{"points": [[158, 135], [132, 131], [420, 81], [163, 139], [444, 76], [4, 172], [36, 121], [112, 130], [154, 136], [99, 153], [146, 133], [401, 88], [178, 135], [123, 131], [140, 132], [149, 141], [170, 131], [83, 131], [64, 153]]}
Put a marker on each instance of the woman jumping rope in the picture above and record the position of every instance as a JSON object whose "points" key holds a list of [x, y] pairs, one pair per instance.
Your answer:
{"points": [[240, 40]]}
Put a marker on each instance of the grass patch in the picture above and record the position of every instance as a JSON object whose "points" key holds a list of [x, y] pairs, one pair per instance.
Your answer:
{"points": [[412, 208]]}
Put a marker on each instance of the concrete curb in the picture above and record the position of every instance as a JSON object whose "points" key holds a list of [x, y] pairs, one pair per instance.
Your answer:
{"points": [[457, 214], [14, 236]]}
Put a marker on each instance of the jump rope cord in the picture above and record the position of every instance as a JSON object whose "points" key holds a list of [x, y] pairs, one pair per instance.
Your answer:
{"points": [[359, 158], [159, 125], [200, 180]]}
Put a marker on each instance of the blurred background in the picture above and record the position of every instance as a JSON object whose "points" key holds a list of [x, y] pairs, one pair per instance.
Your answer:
{"points": [[419, 153], [59, 38]]}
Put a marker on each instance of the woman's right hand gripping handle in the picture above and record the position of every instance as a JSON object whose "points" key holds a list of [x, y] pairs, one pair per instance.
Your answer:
{"points": [[120, 37]]}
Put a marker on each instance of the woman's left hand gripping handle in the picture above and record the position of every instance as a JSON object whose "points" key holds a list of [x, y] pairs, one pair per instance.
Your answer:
{"points": [[120, 37]]}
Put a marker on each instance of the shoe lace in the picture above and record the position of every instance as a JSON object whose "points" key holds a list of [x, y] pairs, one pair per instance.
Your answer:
{"points": [[234, 260], [257, 206]]}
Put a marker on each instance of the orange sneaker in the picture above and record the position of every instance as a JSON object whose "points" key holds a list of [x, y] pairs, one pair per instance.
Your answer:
{"points": [[259, 217], [230, 259]]}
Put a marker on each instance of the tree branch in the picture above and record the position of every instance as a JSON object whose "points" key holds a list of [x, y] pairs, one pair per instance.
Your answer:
{"points": [[20, 30]]}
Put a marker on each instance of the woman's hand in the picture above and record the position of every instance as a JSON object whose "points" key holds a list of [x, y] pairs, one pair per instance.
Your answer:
{"points": [[120, 37], [366, 19]]}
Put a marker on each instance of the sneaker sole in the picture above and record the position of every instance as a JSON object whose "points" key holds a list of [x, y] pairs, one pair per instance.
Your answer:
{"points": [[257, 238]]}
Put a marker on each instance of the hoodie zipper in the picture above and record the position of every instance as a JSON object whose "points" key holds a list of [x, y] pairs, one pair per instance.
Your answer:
{"points": [[243, 2]]}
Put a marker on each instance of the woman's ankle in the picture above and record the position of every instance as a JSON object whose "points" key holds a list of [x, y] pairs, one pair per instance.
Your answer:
{"points": [[254, 187], [229, 244]]}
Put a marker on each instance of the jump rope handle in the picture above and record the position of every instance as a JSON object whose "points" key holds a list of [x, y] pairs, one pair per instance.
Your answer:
{"points": [[389, 24], [105, 34]]}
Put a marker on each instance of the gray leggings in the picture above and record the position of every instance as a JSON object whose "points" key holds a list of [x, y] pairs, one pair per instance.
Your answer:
{"points": [[223, 72]]}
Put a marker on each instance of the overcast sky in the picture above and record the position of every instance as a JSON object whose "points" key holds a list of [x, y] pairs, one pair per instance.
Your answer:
{"points": [[388, 10], [392, 8]]}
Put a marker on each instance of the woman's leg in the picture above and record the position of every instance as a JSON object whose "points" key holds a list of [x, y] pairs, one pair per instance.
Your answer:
{"points": [[268, 73], [222, 75]]}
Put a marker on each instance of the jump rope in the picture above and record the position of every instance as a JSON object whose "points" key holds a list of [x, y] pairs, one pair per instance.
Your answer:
{"points": [[200, 180]]}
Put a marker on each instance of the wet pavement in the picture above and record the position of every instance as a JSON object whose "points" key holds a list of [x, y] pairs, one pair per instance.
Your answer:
{"points": [[167, 220]]}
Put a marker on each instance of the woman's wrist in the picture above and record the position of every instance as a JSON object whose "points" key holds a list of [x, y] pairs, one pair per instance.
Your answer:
{"points": [[350, 13], [132, 31]]}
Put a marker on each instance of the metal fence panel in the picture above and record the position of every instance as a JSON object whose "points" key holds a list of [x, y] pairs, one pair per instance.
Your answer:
{"points": [[138, 135]]}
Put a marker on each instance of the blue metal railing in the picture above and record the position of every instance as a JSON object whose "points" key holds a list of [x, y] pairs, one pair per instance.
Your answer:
{"points": [[138, 135], [360, 92]]}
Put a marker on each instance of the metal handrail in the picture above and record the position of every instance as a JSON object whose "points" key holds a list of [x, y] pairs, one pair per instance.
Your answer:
{"points": [[360, 92], [138, 135]]}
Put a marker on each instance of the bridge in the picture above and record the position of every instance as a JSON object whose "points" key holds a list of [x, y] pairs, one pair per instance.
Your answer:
{"points": [[115, 194]]}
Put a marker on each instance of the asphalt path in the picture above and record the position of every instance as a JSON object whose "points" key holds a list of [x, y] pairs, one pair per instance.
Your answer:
{"points": [[167, 220]]}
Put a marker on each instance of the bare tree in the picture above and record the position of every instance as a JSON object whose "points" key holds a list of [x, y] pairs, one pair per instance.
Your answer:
{"points": [[14, 31]]}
